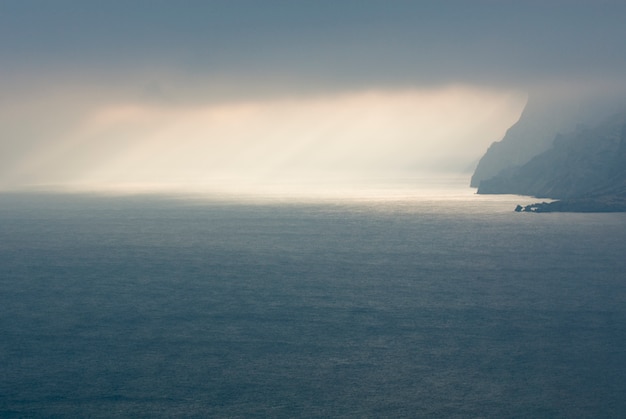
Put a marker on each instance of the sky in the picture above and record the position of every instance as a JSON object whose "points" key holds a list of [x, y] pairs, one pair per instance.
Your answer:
{"points": [[153, 91]]}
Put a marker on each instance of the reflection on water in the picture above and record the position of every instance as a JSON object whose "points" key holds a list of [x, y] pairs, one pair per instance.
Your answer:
{"points": [[387, 302]]}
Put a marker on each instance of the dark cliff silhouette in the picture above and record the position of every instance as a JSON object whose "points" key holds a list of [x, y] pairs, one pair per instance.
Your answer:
{"points": [[546, 114], [585, 170], [568, 145]]}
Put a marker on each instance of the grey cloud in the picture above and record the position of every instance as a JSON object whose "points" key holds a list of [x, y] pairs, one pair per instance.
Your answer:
{"points": [[323, 44]]}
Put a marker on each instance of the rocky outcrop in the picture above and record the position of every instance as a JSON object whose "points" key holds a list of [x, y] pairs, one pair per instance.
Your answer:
{"points": [[609, 203], [585, 170], [547, 114], [585, 162]]}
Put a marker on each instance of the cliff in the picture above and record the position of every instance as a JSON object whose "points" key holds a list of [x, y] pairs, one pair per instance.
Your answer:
{"points": [[585, 170], [547, 114]]}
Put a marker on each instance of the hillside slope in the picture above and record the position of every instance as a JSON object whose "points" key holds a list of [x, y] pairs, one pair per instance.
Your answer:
{"points": [[585, 169], [546, 115]]}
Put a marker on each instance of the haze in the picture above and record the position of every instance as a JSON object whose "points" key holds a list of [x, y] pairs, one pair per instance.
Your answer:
{"points": [[150, 93]]}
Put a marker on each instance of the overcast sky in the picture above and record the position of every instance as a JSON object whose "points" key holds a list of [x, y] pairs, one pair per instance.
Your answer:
{"points": [[65, 63]]}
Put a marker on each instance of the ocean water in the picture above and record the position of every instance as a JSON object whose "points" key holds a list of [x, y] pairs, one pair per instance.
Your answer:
{"points": [[383, 305]]}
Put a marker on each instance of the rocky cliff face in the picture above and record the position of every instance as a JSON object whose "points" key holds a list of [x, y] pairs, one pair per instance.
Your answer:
{"points": [[546, 115], [589, 162]]}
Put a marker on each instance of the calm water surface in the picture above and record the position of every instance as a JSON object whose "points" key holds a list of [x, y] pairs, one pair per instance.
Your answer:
{"points": [[386, 305]]}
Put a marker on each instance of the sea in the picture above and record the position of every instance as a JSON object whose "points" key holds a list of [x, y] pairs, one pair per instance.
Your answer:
{"points": [[399, 302]]}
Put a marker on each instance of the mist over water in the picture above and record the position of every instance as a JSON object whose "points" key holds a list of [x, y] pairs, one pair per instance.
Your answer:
{"points": [[260, 209], [395, 302], [352, 136]]}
